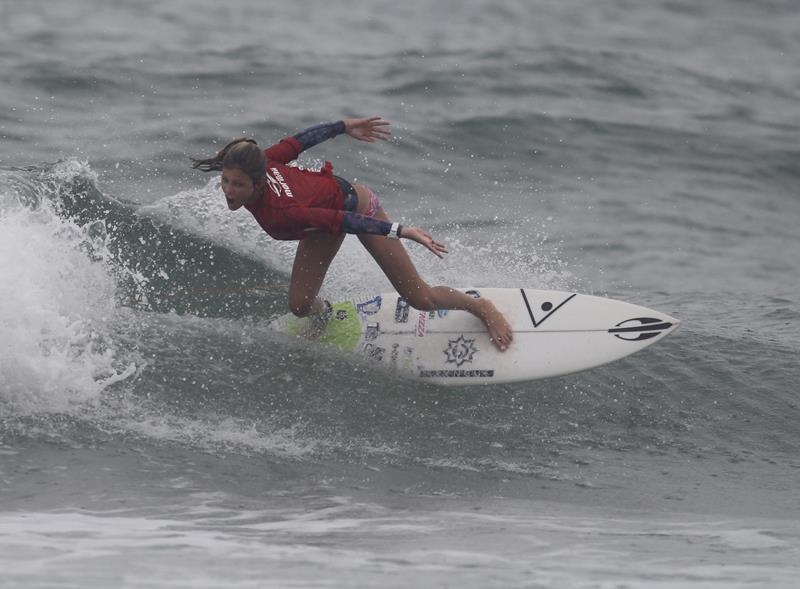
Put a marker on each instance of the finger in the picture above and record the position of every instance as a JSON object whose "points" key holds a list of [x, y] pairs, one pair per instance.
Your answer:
{"points": [[438, 249], [374, 123], [379, 126]]}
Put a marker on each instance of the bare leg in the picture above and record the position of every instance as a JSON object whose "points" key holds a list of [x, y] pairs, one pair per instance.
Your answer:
{"points": [[311, 262], [393, 259]]}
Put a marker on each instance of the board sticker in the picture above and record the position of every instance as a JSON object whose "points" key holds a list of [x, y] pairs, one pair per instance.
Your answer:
{"points": [[539, 310], [460, 350], [370, 307], [401, 311], [343, 329]]}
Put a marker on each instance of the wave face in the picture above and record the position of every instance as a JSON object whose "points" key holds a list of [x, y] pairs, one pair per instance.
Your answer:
{"points": [[153, 320]]}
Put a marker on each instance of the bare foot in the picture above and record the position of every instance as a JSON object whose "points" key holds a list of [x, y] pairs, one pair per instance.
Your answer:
{"points": [[317, 323], [499, 329]]}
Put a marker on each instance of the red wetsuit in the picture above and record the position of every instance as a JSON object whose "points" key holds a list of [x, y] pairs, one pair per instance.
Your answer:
{"points": [[296, 201]]}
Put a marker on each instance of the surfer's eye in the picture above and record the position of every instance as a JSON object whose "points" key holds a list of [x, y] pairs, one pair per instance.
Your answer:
{"points": [[234, 183]]}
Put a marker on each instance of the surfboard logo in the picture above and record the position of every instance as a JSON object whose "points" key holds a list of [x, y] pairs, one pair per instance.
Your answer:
{"points": [[460, 351], [370, 307], [401, 311], [421, 322], [374, 352], [373, 331], [639, 329], [539, 311]]}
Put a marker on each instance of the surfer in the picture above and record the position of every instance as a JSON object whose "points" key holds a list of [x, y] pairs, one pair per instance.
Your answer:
{"points": [[319, 208]]}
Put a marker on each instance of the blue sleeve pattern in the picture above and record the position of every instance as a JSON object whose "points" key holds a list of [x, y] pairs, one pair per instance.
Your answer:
{"points": [[355, 223], [318, 133]]}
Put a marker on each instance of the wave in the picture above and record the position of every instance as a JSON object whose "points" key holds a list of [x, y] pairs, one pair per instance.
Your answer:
{"points": [[152, 322]]}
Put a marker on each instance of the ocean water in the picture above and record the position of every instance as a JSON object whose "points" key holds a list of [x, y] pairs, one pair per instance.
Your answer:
{"points": [[155, 433]]}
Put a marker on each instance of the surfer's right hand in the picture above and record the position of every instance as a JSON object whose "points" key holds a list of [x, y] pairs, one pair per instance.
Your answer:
{"points": [[369, 129]]}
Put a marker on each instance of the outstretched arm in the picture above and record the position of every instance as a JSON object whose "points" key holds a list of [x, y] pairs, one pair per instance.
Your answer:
{"points": [[369, 130], [336, 222], [289, 148], [355, 223]]}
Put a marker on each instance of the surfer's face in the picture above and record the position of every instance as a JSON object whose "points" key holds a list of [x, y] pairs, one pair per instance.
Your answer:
{"points": [[238, 188]]}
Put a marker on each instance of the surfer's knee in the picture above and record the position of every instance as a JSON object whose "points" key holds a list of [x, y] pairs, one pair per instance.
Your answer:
{"points": [[421, 298]]}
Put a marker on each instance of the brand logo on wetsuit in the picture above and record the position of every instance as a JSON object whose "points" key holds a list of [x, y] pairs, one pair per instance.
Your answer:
{"points": [[277, 183]]}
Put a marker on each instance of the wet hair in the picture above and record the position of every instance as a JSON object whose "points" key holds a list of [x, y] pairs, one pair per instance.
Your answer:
{"points": [[242, 153]]}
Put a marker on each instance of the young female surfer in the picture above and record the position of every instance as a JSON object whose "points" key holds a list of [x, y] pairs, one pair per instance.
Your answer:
{"points": [[318, 208]]}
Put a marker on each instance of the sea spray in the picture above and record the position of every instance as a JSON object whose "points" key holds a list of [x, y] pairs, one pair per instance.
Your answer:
{"points": [[57, 305]]}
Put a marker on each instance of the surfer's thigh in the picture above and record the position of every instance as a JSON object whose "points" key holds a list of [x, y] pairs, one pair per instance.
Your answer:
{"points": [[311, 262], [391, 255], [396, 264]]}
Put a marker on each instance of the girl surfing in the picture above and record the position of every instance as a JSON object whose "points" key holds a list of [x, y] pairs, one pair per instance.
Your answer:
{"points": [[319, 208]]}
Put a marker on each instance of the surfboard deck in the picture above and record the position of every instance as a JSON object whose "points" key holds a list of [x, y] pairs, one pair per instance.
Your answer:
{"points": [[555, 333]]}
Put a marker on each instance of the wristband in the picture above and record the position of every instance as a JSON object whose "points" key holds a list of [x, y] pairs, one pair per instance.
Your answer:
{"points": [[394, 232]]}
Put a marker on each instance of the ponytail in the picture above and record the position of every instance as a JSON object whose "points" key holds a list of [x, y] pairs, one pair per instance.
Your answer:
{"points": [[242, 153]]}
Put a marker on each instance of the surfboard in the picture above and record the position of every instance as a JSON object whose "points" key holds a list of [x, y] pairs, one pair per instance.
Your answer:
{"points": [[555, 333]]}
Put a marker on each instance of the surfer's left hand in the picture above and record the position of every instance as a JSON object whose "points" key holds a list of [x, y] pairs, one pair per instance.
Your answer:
{"points": [[424, 238]]}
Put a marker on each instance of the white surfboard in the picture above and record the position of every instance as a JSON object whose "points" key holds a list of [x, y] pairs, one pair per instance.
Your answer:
{"points": [[555, 333]]}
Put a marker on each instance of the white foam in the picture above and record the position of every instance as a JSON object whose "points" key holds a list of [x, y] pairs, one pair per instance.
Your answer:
{"points": [[56, 303], [217, 433], [346, 543]]}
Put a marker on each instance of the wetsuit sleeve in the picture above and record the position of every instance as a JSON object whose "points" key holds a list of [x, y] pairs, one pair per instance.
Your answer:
{"points": [[337, 222], [319, 133], [355, 223], [289, 148]]}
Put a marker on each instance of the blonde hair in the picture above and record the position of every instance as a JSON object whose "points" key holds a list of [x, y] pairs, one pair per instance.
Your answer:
{"points": [[242, 153]]}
